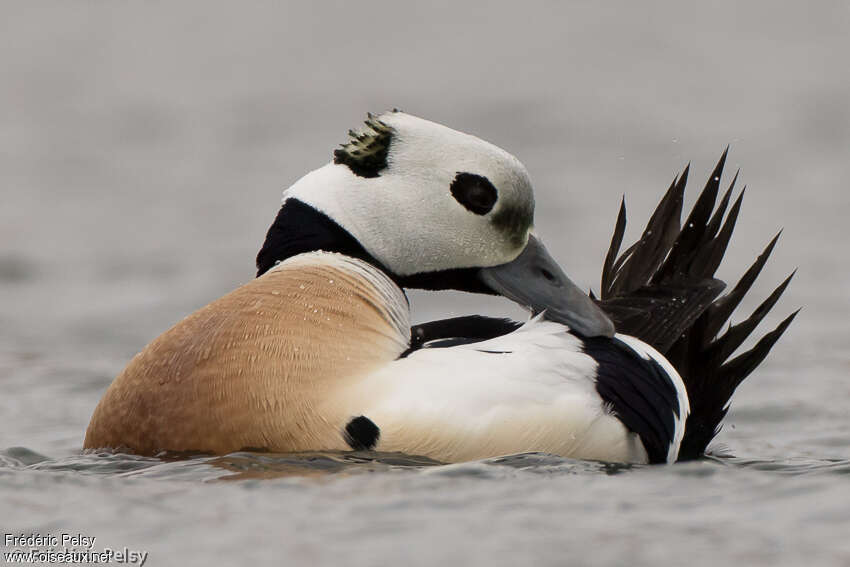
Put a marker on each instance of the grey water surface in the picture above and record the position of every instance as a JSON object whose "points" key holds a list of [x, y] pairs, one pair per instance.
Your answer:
{"points": [[143, 149]]}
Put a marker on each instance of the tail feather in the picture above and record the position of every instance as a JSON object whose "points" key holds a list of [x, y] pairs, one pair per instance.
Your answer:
{"points": [[662, 290], [633, 269], [608, 268], [723, 347], [717, 217], [721, 310], [695, 236], [710, 257], [740, 367]]}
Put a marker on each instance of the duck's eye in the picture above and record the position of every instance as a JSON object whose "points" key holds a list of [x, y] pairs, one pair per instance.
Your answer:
{"points": [[474, 192]]}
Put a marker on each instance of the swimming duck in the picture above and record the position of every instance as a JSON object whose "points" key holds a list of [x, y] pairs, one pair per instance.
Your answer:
{"points": [[318, 352]]}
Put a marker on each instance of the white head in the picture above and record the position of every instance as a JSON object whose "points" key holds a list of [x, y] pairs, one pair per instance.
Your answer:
{"points": [[421, 197], [437, 209]]}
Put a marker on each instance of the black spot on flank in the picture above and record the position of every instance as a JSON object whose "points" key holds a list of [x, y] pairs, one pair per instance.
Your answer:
{"points": [[640, 393], [474, 192], [361, 434]]}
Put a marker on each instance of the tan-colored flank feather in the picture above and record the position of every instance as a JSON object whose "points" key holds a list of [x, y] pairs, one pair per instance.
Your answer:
{"points": [[258, 368]]}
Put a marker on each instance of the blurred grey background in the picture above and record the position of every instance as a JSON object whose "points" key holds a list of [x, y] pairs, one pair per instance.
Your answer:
{"points": [[144, 147]]}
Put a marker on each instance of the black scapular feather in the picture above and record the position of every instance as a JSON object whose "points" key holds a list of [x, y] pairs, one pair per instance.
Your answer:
{"points": [[662, 290]]}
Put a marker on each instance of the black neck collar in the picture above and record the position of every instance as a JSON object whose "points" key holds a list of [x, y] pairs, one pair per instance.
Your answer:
{"points": [[299, 228]]}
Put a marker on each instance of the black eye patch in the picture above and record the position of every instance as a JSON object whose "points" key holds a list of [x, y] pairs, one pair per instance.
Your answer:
{"points": [[474, 192]]}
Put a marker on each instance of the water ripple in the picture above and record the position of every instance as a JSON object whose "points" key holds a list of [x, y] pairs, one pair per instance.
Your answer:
{"points": [[257, 466]]}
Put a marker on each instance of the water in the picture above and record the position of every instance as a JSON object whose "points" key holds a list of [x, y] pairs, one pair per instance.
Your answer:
{"points": [[143, 148]]}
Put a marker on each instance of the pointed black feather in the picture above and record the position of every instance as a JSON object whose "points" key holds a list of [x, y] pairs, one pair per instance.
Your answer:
{"points": [[628, 278], [649, 252], [617, 269], [702, 265], [709, 258], [722, 309], [690, 238], [742, 365], [724, 346], [717, 217], [623, 279], [613, 249]]}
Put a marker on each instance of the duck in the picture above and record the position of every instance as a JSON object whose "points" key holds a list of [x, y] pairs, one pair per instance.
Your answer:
{"points": [[318, 352]]}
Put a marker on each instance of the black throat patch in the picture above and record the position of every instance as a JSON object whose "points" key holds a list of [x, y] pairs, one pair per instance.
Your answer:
{"points": [[366, 153], [299, 228]]}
